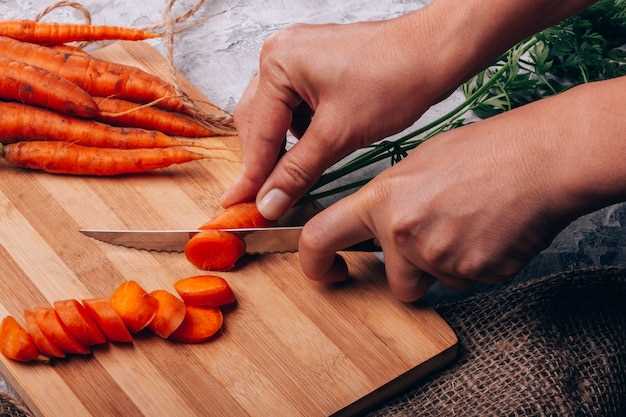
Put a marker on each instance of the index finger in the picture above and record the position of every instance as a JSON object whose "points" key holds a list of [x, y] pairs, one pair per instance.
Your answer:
{"points": [[334, 229], [262, 119]]}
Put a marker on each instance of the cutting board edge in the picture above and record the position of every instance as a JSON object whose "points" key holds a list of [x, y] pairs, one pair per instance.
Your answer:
{"points": [[400, 384]]}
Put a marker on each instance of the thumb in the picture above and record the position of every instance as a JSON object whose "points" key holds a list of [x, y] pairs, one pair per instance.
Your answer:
{"points": [[300, 167]]}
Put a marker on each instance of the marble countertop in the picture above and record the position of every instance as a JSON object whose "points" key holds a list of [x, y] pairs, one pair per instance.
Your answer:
{"points": [[221, 55]]}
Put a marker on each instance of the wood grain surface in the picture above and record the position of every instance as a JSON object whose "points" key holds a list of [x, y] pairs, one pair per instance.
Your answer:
{"points": [[290, 348]]}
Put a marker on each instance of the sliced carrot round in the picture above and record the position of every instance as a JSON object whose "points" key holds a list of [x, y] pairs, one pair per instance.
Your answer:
{"points": [[237, 217], [78, 324], [44, 344], [199, 325], [50, 325], [135, 306], [170, 313], [205, 290], [111, 324], [213, 250], [15, 342]]}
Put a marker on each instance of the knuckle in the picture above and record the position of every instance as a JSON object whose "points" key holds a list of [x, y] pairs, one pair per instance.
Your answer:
{"points": [[296, 174], [436, 252], [472, 265]]}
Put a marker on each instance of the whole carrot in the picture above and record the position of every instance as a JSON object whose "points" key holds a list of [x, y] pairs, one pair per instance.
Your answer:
{"points": [[69, 49], [124, 113], [65, 158], [57, 33], [20, 122], [32, 85], [99, 78]]}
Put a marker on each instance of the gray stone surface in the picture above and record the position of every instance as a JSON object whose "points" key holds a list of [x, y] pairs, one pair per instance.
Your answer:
{"points": [[221, 55]]}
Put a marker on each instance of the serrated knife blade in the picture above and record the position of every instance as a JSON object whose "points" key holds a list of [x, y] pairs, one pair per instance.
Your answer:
{"points": [[257, 241]]}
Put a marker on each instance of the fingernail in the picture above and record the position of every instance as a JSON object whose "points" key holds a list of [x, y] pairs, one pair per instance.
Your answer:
{"points": [[274, 204]]}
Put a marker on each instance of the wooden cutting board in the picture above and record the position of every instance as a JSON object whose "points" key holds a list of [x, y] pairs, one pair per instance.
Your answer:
{"points": [[290, 348]]}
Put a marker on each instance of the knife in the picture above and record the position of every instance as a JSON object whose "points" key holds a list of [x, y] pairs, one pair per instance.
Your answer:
{"points": [[257, 241]]}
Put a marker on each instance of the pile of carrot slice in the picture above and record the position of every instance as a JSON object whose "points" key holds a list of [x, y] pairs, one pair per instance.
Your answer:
{"points": [[72, 328], [64, 111]]}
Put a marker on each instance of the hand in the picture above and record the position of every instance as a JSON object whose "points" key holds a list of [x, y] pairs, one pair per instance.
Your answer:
{"points": [[355, 83], [477, 203]]}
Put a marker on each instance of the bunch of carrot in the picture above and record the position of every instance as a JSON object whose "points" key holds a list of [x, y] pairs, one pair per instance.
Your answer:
{"points": [[63, 111], [71, 327]]}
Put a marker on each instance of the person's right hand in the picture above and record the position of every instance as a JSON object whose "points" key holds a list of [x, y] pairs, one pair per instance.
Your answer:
{"points": [[359, 82]]}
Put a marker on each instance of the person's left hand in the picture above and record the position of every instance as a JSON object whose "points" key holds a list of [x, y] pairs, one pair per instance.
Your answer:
{"points": [[474, 204]]}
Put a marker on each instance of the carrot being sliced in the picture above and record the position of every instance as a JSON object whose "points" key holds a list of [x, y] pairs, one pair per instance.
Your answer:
{"points": [[205, 290], [170, 314], [213, 250], [78, 323], [199, 325], [238, 216], [111, 324], [44, 344], [15, 342], [50, 325], [135, 306]]}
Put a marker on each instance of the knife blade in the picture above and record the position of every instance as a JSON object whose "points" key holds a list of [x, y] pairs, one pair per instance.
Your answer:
{"points": [[257, 241]]}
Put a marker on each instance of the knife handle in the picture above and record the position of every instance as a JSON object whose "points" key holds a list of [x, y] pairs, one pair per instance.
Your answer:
{"points": [[371, 245]]}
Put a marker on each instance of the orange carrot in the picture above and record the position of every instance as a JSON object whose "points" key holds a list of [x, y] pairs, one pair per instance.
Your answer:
{"points": [[99, 78], [15, 342], [170, 314], [200, 324], [218, 251], [69, 49], [238, 216], [135, 306], [213, 250], [51, 326], [111, 324], [20, 122], [205, 291], [78, 323], [44, 344], [174, 124], [65, 158], [32, 85], [56, 33]]}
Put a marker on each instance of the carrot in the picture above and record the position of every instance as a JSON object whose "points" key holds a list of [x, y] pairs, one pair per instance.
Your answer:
{"points": [[170, 314], [101, 311], [124, 113], [56, 33], [69, 49], [78, 323], [205, 291], [213, 250], [15, 342], [239, 216], [32, 85], [21, 122], [99, 78], [51, 326], [65, 158], [44, 344], [135, 306], [199, 325]]}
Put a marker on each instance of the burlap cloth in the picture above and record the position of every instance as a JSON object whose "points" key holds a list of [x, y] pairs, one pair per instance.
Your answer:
{"points": [[550, 346]]}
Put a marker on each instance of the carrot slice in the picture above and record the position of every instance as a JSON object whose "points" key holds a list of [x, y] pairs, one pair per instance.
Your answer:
{"points": [[170, 314], [238, 216], [43, 343], [78, 324], [15, 342], [51, 326], [135, 306], [205, 290], [111, 324], [199, 325], [213, 250]]}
